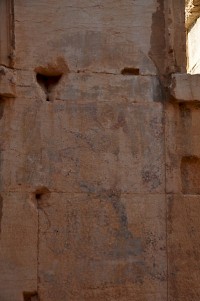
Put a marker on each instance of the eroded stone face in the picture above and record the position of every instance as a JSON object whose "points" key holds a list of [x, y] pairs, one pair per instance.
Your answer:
{"points": [[96, 166], [7, 39]]}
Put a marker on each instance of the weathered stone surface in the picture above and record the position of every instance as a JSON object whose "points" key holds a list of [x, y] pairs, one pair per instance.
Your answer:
{"points": [[86, 137], [88, 35], [184, 247], [182, 184], [7, 82], [7, 41], [192, 12], [182, 146], [96, 246], [175, 36], [185, 87], [18, 241], [87, 87], [99, 166]]}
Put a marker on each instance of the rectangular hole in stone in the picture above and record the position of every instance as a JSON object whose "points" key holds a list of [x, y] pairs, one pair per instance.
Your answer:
{"points": [[30, 296], [130, 71], [190, 175]]}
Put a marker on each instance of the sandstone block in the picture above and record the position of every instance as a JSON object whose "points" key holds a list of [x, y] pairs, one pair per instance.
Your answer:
{"points": [[18, 245], [97, 247], [185, 87], [183, 247], [60, 145]]}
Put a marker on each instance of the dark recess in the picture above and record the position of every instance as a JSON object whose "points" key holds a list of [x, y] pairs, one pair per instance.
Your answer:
{"points": [[38, 196], [30, 296], [130, 71], [42, 195], [190, 175], [2, 104], [47, 82]]}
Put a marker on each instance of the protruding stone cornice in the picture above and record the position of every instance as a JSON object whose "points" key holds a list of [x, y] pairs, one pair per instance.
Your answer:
{"points": [[185, 87]]}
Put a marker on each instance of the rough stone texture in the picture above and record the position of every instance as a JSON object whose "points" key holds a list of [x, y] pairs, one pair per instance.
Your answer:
{"points": [[183, 246], [99, 157], [192, 12], [7, 82], [19, 240], [185, 87], [175, 36], [6, 32], [182, 185], [96, 247]]}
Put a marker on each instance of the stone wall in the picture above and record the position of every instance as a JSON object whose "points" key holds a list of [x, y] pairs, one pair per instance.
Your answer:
{"points": [[98, 197]]}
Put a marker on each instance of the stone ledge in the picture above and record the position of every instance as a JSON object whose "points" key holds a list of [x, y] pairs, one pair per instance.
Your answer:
{"points": [[7, 82], [185, 87]]}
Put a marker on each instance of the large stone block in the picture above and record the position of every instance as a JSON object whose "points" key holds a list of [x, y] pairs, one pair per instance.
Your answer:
{"points": [[18, 245], [86, 87], [97, 247], [185, 87], [183, 247], [89, 148], [85, 147], [182, 133], [98, 37]]}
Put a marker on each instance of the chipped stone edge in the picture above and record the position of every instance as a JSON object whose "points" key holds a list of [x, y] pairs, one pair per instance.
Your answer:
{"points": [[7, 82]]}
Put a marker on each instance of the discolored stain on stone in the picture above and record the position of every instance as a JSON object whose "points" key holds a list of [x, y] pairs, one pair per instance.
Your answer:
{"points": [[1, 211], [158, 43], [121, 121], [151, 177], [2, 106], [126, 243]]}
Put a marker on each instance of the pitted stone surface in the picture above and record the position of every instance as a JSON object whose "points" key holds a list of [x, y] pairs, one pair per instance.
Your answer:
{"points": [[98, 153]]}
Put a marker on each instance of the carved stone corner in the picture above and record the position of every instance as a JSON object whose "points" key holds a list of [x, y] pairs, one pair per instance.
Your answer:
{"points": [[7, 82], [185, 87]]}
